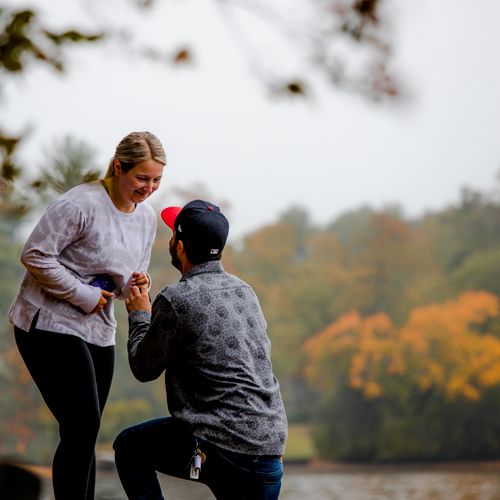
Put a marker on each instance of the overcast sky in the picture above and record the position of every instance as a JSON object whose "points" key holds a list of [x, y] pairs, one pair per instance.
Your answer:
{"points": [[330, 154]]}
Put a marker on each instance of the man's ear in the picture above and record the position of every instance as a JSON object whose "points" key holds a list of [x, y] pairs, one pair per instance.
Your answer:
{"points": [[180, 248]]}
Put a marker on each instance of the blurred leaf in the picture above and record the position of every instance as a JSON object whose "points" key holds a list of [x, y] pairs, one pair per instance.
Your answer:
{"points": [[8, 144], [72, 36], [182, 56], [9, 171], [366, 8]]}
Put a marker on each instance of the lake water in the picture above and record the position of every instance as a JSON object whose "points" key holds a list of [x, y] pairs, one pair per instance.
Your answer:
{"points": [[466, 481]]}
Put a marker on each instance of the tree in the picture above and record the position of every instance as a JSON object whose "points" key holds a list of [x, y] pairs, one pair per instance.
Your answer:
{"points": [[70, 162], [425, 386], [472, 225], [447, 350], [309, 32], [344, 42], [479, 271], [24, 40], [387, 259]]}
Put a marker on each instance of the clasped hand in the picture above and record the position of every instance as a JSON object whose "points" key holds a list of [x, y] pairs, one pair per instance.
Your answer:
{"points": [[138, 297]]}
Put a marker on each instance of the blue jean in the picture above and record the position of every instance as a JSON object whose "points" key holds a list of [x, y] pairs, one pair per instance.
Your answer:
{"points": [[166, 445]]}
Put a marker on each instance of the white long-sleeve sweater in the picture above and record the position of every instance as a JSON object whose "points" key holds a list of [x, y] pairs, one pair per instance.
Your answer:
{"points": [[82, 234]]}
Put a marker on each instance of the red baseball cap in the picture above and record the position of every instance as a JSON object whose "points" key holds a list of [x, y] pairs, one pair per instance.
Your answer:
{"points": [[169, 215]]}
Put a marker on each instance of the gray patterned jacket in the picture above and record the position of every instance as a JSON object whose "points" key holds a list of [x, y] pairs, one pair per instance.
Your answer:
{"points": [[209, 335]]}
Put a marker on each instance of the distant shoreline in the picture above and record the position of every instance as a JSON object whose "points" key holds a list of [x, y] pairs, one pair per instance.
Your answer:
{"points": [[319, 466]]}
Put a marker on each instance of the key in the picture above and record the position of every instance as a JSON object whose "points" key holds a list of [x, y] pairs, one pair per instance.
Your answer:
{"points": [[196, 462]]}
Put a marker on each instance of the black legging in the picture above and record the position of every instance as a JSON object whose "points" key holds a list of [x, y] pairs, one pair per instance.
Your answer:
{"points": [[74, 378]]}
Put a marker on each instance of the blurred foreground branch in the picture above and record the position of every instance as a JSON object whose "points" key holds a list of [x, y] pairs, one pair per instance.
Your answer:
{"points": [[342, 42]]}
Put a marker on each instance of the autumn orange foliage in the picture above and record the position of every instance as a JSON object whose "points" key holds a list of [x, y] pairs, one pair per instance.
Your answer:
{"points": [[442, 346]]}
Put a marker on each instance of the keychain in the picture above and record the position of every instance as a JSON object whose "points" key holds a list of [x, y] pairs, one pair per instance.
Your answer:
{"points": [[196, 461]]}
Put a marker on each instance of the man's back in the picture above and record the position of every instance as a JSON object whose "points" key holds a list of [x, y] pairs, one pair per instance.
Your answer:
{"points": [[218, 369]]}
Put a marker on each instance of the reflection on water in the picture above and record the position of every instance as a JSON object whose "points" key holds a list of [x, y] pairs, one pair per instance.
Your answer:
{"points": [[459, 482], [387, 485]]}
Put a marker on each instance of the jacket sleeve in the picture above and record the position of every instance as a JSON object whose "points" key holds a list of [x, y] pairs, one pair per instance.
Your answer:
{"points": [[150, 336], [62, 224]]}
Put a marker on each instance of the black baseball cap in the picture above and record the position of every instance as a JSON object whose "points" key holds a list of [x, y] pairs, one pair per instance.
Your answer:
{"points": [[201, 225]]}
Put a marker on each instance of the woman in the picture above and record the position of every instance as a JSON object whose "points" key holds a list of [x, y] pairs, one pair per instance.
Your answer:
{"points": [[63, 321]]}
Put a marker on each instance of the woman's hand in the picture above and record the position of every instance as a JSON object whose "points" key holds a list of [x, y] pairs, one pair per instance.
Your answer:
{"points": [[138, 299], [103, 300], [140, 279]]}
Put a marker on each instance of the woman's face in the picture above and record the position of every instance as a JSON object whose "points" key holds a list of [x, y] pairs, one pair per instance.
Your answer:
{"points": [[139, 182]]}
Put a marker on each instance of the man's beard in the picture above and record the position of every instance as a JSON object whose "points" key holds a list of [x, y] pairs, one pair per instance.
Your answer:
{"points": [[174, 259]]}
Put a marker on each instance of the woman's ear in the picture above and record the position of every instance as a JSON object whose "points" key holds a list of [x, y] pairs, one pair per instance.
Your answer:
{"points": [[117, 167]]}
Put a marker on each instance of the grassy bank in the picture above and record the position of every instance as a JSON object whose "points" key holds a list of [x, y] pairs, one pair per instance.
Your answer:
{"points": [[300, 446]]}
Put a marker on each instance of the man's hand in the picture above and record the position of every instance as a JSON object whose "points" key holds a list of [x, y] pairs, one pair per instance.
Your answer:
{"points": [[105, 296], [138, 299]]}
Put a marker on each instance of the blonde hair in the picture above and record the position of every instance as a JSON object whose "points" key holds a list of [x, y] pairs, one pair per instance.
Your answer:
{"points": [[134, 148]]}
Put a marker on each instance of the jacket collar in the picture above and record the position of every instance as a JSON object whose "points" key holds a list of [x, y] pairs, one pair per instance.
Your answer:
{"points": [[211, 266]]}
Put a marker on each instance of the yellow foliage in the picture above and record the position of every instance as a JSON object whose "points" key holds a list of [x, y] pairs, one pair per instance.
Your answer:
{"points": [[372, 389], [442, 347], [446, 350], [340, 330], [367, 345], [397, 364]]}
